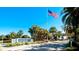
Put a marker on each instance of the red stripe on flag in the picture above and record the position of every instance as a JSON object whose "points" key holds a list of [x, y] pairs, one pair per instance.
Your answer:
{"points": [[53, 14]]}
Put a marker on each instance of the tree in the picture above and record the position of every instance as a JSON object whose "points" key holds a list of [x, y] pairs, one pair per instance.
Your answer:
{"points": [[49, 36], [7, 36], [33, 31], [25, 36], [38, 33], [77, 30], [42, 34], [2, 37], [19, 34], [58, 33], [52, 30], [71, 19], [12, 35]]}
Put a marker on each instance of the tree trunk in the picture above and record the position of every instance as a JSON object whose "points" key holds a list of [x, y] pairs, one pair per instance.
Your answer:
{"points": [[75, 33]]}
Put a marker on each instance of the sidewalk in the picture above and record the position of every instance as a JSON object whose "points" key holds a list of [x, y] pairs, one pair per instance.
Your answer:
{"points": [[49, 46]]}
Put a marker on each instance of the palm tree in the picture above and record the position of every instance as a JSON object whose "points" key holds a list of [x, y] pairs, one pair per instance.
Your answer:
{"points": [[71, 19]]}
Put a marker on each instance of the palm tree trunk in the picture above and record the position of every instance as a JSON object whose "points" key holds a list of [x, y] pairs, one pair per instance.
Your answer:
{"points": [[75, 33]]}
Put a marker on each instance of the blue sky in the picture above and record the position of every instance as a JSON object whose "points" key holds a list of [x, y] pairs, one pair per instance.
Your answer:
{"points": [[13, 19]]}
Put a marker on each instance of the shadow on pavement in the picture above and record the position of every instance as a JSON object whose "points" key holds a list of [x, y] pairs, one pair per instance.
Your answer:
{"points": [[47, 47]]}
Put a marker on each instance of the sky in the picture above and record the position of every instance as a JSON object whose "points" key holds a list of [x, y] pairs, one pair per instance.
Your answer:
{"points": [[13, 19]]}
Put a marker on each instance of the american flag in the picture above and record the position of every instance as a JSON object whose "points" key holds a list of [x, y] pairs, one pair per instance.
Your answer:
{"points": [[52, 14]]}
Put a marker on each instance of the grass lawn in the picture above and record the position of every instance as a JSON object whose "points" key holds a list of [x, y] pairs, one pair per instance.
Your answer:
{"points": [[0, 42], [70, 49]]}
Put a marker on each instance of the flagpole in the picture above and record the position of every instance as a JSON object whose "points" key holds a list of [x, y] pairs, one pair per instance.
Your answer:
{"points": [[47, 22]]}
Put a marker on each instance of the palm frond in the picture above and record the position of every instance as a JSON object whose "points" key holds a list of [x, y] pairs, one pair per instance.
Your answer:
{"points": [[64, 17]]}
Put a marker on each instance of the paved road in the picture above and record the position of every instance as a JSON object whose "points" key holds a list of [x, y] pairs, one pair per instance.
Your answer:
{"points": [[50, 46]]}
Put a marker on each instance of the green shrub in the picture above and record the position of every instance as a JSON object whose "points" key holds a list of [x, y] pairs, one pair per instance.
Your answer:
{"points": [[0, 41], [8, 44], [26, 43], [13, 44], [70, 49], [17, 44], [21, 43]]}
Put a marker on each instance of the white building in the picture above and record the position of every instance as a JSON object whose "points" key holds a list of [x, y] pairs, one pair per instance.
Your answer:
{"points": [[21, 40], [65, 37]]}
